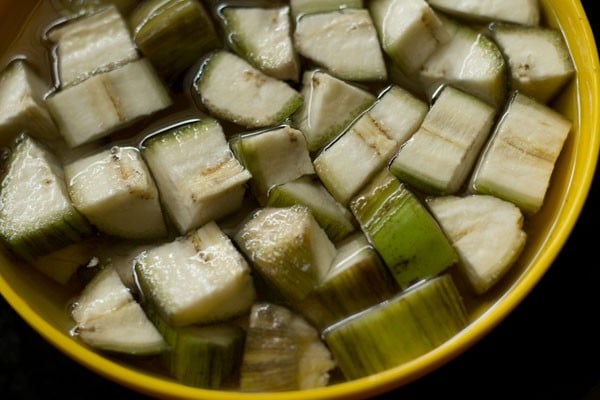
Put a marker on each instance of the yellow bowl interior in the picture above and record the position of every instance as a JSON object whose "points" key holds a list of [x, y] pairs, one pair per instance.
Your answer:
{"points": [[42, 303]]}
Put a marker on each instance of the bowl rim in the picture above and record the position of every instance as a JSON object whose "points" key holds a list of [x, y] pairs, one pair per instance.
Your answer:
{"points": [[583, 48]]}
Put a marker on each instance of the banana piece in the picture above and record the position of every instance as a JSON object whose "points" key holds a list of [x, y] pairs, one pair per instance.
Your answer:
{"points": [[198, 177], [357, 280], [235, 91], [22, 104], [36, 214], [487, 233], [107, 317], [351, 160], [523, 12], [439, 157], [263, 36], [200, 278], [288, 249], [409, 31], [330, 105], [335, 219], [519, 159], [116, 192], [70, 8], [91, 44], [399, 330], [402, 230], [343, 42], [106, 102], [539, 59], [471, 61], [282, 352], [300, 7], [173, 35], [273, 157]]}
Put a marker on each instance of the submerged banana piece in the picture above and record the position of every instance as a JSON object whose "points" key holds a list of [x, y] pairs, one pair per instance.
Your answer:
{"points": [[538, 57], [235, 91], [300, 7], [109, 318], [116, 193], [330, 105], [523, 12], [399, 330], [198, 177], [173, 34], [347, 164], [197, 279], [487, 233], [273, 157], [116, 99], [288, 249], [36, 213], [402, 230], [263, 36], [519, 159], [470, 60], [439, 157], [282, 352], [22, 104], [343, 42], [91, 44], [334, 218]]}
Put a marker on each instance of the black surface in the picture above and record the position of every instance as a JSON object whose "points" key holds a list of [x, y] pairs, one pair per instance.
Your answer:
{"points": [[548, 348]]}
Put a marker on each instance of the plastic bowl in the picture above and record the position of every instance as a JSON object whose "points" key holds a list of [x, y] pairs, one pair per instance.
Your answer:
{"points": [[42, 304]]}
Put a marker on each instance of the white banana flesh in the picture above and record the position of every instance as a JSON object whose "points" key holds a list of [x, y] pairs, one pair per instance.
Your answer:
{"points": [[197, 279], [524, 12], [343, 42], [487, 233], [109, 318], [519, 159]]}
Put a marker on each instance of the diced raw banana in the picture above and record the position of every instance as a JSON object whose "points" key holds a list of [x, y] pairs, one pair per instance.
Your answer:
{"points": [[344, 42], [205, 356], [36, 214], [538, 57], [109, 318], [300, 7], [402, 230], [330, 105], [198, 177], [116, 192], [288, 248], [487, 233], [357, 280], [335, 219], [525, 12], [22, 104], [173, 34], [273, 157], [439, 157], [519, 159], [233, 90], [116, 98], [263, 36], [409, 31], [91, 44], [197, 279], [470, 61], [399, 330], [62, 264], [282, 352], [347, 164]]}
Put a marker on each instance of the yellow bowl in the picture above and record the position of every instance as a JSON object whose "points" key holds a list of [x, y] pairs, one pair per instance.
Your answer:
{"points": [[42, 304]]}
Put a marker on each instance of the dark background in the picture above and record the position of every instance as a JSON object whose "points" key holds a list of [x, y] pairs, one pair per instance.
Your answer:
{"points": [[547, 348]]}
